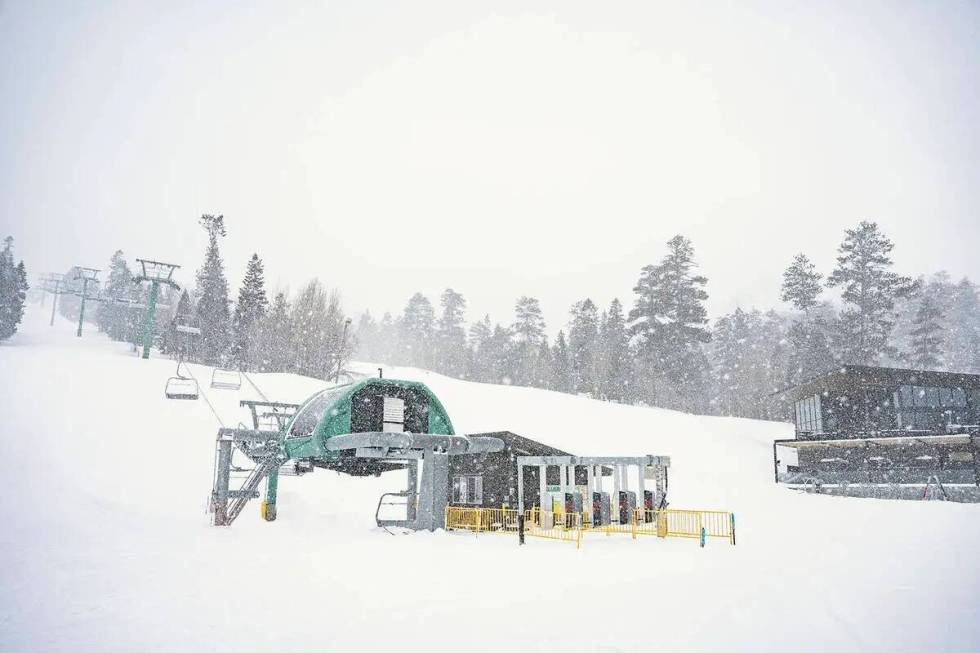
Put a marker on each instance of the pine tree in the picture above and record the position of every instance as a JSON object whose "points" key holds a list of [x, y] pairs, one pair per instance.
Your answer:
{"points": [[668, 321], [366, 337], [926, 336], [212, 296], [616, 363], [869, 288], [417, 332], [728, 345], [479, 345], [13, 290], [182, 314], [317, 326], [272, 348], [801, 284], [583, 345], [451, 335], [561, 358], [963, 336], [500, 359], [114, 317], [544, 370], [810, 354], [388, 339], [528, 332], [250, 308]]}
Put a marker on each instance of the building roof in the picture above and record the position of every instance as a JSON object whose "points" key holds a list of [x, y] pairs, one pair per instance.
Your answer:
{"points": [[852, 376], [524, 446]]}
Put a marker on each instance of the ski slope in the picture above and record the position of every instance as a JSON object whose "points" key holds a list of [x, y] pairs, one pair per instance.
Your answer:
{"points": [[106, 545]]}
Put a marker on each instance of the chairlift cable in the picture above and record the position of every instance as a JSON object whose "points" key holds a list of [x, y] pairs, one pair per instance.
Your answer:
{"points": [[205, 396], [254, 385]]}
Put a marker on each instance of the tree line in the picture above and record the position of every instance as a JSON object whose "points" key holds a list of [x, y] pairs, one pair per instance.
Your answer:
{"points": [[665, 352], [302, 334]]}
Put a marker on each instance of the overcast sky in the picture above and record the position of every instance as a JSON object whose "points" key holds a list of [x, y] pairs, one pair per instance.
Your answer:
{"points": [[539, 149]]}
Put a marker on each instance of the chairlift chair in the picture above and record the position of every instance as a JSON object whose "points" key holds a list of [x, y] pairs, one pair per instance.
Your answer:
{"points": [[223, 379], [181, 386]]}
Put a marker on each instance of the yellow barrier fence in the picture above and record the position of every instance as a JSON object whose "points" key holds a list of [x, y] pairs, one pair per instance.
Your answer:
{"points": [[694, 524], [566, 527], [569, 527]]}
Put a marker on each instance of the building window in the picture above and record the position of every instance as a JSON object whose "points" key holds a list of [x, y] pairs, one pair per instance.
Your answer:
{"points": [[808, 417], [468, 490], [930, 408]]}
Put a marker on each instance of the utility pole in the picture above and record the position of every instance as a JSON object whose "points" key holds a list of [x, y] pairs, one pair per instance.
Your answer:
{"points": [[340, 354], [85, 275], [155, 273]]}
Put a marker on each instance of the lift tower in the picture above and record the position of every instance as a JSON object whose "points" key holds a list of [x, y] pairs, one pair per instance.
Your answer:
{"points": [[154, 273], [86, 276]]}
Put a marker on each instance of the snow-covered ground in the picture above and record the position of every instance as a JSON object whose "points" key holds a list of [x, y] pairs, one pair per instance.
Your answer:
{"points": [[106, 545]]}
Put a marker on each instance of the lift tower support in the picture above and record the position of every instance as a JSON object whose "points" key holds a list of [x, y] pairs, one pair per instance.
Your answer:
{"points": [[85, 275], [154, 273]]}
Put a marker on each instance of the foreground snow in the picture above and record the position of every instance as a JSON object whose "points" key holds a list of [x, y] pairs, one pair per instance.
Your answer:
{"points": [[106, 545]]}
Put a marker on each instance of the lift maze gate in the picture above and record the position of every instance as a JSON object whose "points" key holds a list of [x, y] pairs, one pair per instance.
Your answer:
{"points": [[379, 425]]}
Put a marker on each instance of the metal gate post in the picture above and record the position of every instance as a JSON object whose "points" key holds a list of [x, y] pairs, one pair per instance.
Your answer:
{"points": [[221, 480], [412, 491], [149, 320], [271, 492]]}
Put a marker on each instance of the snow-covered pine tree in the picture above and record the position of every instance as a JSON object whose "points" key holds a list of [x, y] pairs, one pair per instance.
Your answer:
{"points": [[583, 345], [926, 337], [115, 318], [250, 308], [317, 324], [561, 365], [528, 332], [500, 358], [213, 314], [366, 337], [545, 367], [13, 290], [801, 284], [668, 321], [417, 333], [451, 335], [388, 345], [480, 334], [963, 331], [809, 351], [617, 365], [869, 289], [182, 313], [272, 350], [727, 343]]}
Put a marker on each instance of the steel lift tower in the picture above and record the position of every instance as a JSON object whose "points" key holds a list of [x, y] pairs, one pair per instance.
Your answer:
{"points": [[154, 273], [86, 276], [52, 283]]}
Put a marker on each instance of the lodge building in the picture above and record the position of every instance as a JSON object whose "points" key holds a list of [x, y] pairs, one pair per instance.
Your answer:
{"points": [[876, 431]]}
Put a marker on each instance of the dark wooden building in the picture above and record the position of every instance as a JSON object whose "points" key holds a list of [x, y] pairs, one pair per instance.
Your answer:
{"points": [[876, 425], [490, 480]]}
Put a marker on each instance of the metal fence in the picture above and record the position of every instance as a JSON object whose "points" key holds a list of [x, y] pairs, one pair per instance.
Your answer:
{"points": [[569, 527], [694, 524]]}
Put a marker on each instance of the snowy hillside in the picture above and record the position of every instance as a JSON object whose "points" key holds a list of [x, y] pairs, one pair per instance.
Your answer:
{"points": [[107, 547]]}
